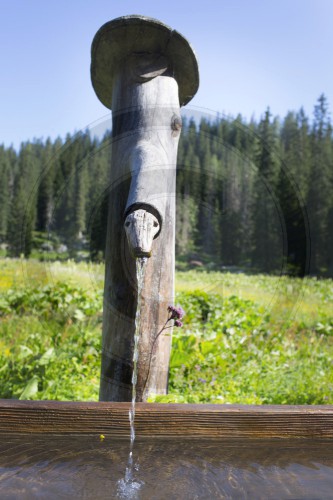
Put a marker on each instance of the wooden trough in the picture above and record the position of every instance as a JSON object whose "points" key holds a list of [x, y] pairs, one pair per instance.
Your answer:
{"points": [[155, 420]]}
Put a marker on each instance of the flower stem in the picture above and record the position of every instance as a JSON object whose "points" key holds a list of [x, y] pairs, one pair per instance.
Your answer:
{"points": [[164, 327]]}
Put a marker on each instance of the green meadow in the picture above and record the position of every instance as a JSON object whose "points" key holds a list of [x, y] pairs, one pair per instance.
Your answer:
{"points": [[246, 338]]}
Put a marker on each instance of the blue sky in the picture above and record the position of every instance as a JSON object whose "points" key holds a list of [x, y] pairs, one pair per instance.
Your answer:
{"points": [[252, 54]]}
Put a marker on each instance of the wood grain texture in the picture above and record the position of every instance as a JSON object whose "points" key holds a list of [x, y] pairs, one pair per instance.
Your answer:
{"points": [[167, 420], [138, 35], [144, 71], [142, 175]]}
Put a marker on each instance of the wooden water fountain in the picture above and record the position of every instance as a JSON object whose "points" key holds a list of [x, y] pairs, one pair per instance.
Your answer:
{"points": [[145, 71]]}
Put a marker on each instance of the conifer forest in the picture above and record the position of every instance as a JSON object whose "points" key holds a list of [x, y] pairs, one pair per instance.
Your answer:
{"points": [[250, 195]]}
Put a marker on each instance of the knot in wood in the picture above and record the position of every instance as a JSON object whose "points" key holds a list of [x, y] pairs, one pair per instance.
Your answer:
{"points": [[176, 123]]}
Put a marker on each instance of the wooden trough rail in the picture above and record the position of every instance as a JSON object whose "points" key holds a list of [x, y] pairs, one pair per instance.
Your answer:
{"points": [[166, 420]]}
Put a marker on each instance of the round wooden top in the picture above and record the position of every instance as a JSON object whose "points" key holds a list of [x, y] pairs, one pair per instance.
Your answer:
{"points": [[134, 35]]}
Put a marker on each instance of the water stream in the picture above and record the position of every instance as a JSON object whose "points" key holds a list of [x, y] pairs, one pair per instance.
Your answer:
{"points": [[128, 486]]}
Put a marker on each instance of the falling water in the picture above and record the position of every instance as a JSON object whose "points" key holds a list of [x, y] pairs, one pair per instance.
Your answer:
{"points": [[128, 487], [140, 272]]}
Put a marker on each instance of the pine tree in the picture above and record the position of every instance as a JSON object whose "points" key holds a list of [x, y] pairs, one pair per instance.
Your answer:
{"points": [[235, 219], [22, 216], [187, 191], [291, 189], [64, 186], [319, 194], [45, 197], [4, 192], [97, 197], [265, 217]]}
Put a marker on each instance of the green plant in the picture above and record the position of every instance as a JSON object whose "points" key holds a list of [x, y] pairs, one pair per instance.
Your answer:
{"points": [[236, 344]]}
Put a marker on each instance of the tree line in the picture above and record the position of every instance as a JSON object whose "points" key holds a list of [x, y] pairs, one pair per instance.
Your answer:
{"points": [[255, 195]]}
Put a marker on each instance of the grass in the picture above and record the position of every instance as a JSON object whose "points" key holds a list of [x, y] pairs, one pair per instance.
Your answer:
{"points": [[240, 354], [246, 339], [17, 273], [283, 296]]}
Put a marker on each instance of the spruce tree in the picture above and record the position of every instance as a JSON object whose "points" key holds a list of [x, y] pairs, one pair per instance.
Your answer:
{"points": [[22, 215], [4, 192], [291, 190], [265, 216], [97, 197], [320, 186], [45, 197]]}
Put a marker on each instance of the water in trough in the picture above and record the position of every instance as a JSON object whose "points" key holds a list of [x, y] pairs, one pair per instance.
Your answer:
{"points": [[67, 467]]}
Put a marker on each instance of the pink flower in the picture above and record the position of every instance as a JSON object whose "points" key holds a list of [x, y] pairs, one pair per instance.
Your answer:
{"points": [[176, 312]]}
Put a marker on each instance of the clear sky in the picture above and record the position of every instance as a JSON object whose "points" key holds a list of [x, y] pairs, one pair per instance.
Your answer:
{"points": [[252, 54]]}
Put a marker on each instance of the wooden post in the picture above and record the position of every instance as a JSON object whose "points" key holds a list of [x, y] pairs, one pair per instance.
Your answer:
{"points": [[144, 71]]}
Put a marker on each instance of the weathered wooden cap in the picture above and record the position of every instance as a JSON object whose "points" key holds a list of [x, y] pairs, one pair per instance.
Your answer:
{"points": [[127, 35]]}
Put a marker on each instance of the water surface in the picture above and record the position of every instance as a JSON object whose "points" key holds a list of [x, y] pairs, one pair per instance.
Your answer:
{"points": [[68, 467]]}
